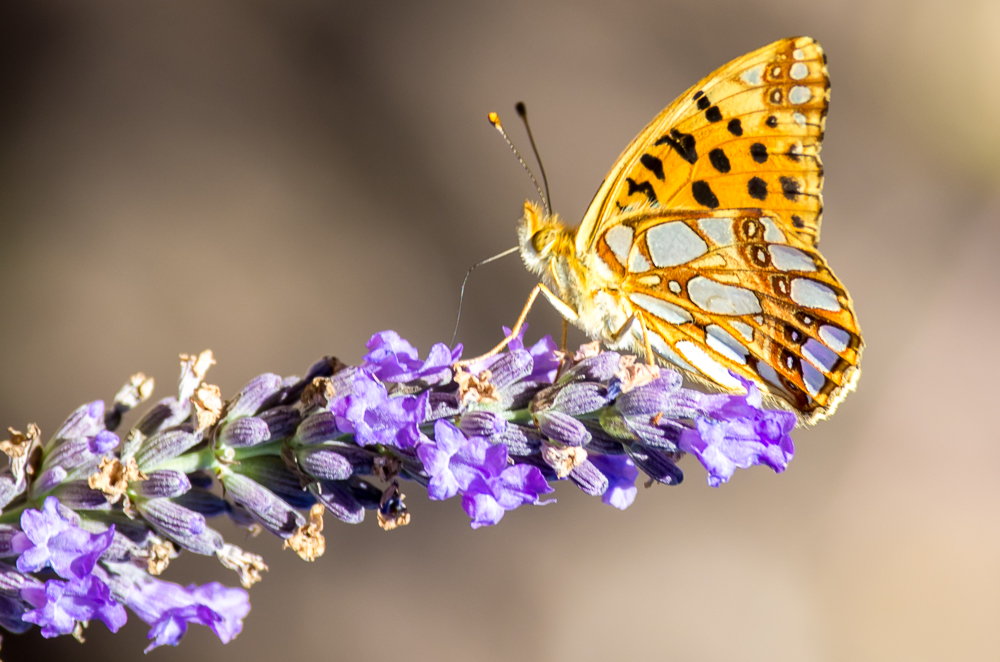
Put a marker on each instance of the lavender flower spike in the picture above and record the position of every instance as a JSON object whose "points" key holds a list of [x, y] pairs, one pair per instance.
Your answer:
{"points": [[339, 441]]}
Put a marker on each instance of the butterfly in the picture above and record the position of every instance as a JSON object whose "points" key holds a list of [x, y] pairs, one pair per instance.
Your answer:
{"points": [[699, 248]]}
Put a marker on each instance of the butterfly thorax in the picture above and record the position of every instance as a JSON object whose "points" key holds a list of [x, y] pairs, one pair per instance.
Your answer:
{"points": [[548, 249]]}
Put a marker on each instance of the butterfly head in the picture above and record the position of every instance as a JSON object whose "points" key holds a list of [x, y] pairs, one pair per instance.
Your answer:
{"points": [[542, 238]]}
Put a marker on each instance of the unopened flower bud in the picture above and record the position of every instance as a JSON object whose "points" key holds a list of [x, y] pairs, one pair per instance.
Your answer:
{"points": [[562, 428], [164, 446], [270, 511], [317, 428], [162, 484], [589, 478], [245, 432], [511, 367], [325, 464], [258, 391], [86, 421], [281, 421], [172, 519], [657, 464], [482, 424]]}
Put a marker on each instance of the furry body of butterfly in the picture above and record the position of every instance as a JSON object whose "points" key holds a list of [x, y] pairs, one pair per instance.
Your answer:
{"points": [[700, 245]]}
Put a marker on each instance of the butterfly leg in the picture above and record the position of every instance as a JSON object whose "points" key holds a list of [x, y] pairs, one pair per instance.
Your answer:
{"points": [[645, 341], [557, 303]]}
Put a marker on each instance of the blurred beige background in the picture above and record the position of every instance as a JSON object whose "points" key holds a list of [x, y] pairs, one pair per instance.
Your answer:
{"points": [[279, 180]]}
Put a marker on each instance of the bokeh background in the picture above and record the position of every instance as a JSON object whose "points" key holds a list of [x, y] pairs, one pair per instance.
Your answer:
{"points": [[279, 180]]}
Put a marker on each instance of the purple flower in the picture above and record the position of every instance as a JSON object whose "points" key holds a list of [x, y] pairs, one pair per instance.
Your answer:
{"points": [[454, 460], [59, 605], [545, 361], [169, 607], [488, 497], [543, 353], [739, 435], [376, 418], [57, 541], [392, 359], [621, 474]]}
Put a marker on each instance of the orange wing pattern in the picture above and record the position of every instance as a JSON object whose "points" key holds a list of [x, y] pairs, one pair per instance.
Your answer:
{"points": [[711, 218]]}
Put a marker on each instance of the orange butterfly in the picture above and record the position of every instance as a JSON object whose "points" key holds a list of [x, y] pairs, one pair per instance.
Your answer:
{"points": [[700, 245]]}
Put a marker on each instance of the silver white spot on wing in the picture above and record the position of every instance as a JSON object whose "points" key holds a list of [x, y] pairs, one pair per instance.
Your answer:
{"points": [[836, 339], [799, 119], [718, 230], [674, 243], [752, 76], [660, 308], [709, 366], [799, 94], [787, 258], [660, 347], [798, 71], [813, 379], [674, 286], [799, 54], [619, 240], [819, 355], [743, 329], [812, 294], [759, 319], [772, 232], [769, 374], [719, 339], [637, 263], [716, 297]]}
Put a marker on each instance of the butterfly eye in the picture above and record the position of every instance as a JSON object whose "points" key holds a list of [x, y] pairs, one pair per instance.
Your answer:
{"points": [[543, 240]]}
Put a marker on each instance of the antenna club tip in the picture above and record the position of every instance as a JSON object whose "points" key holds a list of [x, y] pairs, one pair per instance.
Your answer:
{"points": [[521, 109], [494, 120]]}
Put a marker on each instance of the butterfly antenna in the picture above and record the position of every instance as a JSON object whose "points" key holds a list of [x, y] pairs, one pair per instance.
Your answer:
{"points": [[461, 296], [522, 110], [495, 121]]}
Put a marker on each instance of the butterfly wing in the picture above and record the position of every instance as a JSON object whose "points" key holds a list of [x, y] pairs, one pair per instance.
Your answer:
{"points": [[710, 219], [730, 291], [747, 136]]}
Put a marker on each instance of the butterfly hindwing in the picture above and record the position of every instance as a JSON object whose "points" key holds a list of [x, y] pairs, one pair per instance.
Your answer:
{"points": [[731, 291]]}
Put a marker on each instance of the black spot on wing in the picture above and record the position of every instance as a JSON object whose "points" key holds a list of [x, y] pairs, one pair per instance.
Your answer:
{"points": [[790, 187], [703, 194], [757, 188], [713, 114], [735, 127], [682, 143], [652, 164], [703, 101], [645, 188], [759, 152], [797, 221], [772, 121], [719, 160]]}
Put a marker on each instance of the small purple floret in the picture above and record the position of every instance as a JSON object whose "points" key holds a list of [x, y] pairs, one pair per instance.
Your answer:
{"points": [[376, 418], [489, 497], [392, 359], [59, 605], [621, 473], [58, 542], [739, 435]]}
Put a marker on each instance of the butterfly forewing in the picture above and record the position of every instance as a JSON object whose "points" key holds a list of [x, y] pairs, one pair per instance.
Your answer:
{"points": [[748, 136]]}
